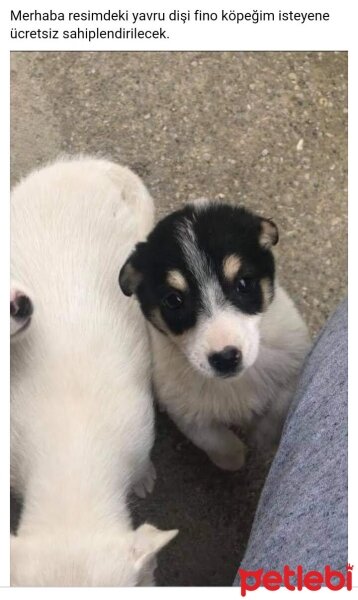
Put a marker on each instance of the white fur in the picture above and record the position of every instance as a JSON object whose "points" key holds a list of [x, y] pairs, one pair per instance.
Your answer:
{"points": [[225, 326], [81, 414], [273, 348]]}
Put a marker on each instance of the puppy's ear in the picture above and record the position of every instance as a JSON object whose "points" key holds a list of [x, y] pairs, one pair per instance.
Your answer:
{"points": [[268, 235], [130, 274], [148, 541]]}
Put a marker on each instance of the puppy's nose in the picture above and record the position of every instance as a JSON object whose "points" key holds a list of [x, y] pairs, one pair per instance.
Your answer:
{"points": [[227, 361], [21, 307]]}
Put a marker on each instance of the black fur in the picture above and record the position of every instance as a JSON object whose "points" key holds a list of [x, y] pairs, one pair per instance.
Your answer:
{"points": [[220, 230]]}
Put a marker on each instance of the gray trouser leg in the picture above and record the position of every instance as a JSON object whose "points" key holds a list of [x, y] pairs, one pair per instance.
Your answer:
{"points": [[301, 518]]}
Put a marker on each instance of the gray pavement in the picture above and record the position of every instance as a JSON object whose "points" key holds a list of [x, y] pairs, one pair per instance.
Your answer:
{"points": [[268, 130]]}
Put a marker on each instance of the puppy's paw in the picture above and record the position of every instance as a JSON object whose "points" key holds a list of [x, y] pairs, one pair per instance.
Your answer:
{"points": [[145, 484], [21, 310], [231, 460]]}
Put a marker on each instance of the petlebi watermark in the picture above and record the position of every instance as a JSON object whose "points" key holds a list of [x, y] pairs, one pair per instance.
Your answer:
{"points": [[296, 579]]}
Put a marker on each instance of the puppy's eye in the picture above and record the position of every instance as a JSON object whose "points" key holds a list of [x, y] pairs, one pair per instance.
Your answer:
{"points": [[172, 300], [244, 285]]}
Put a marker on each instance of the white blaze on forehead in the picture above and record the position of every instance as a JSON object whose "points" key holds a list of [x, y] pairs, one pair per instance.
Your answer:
{"points": [[177, 280], [195, 259], [198, 264], [231, 266]]}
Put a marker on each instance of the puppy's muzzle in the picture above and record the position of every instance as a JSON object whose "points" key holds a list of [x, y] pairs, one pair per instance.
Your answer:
{"points": [[227, 362]]}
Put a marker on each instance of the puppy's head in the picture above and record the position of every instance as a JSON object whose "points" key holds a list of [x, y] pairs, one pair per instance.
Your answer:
{"points": [[204, 277], [124, 560]]}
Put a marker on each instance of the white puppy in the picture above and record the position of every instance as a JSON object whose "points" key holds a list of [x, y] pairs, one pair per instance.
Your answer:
{"points": [[81, 415]]}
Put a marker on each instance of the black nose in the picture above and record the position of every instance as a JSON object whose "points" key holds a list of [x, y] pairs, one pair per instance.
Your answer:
{"points": [[21, 307], [227, 361]]}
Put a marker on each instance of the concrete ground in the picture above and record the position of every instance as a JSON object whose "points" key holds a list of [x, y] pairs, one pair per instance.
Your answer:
{"points": [[265, 129]]}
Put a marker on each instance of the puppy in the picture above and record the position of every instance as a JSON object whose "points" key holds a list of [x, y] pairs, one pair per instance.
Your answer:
{"points": [[81, 412], [228, 342]]}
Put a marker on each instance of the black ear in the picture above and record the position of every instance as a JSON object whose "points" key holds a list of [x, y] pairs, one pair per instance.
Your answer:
{"points": [[268, 236], [130, 275]]}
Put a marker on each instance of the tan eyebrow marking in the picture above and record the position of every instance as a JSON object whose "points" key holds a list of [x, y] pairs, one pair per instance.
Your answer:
{"points": [[231, 266], [177, 280]]}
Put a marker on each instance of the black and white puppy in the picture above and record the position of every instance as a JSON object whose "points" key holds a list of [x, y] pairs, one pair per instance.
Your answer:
{"points": [[228, 342]]}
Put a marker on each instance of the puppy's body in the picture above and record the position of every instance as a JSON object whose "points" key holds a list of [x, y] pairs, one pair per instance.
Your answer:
{"points": [[228, 342], [203, 408], [81, 415]]}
